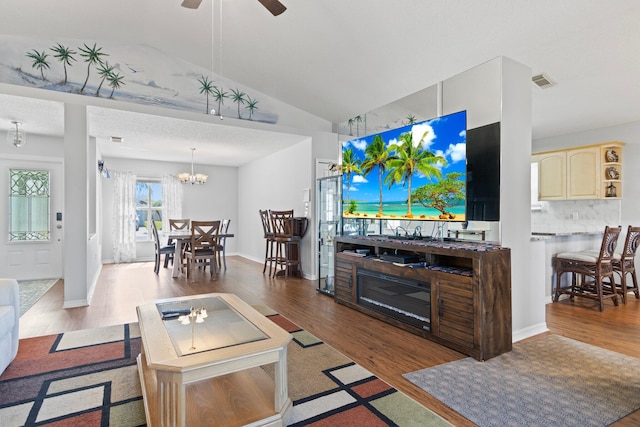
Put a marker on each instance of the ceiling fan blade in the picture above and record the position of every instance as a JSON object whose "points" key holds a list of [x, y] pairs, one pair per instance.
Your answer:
{"points": [[273, 6], [191, 4]]}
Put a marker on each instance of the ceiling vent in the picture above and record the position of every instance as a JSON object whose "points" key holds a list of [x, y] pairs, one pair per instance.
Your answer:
{"points": [[543, 81], [117, 139]]}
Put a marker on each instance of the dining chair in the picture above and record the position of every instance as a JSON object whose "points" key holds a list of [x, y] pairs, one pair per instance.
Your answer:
{"points": [[590, 264], [203, 245], [268, 240], [167, 250], [287, 243], [177, 225], [222, 245], [624, 264]]}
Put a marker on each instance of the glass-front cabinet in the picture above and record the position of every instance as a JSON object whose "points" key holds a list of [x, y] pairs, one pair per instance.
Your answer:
{"points": [[329, 225]]}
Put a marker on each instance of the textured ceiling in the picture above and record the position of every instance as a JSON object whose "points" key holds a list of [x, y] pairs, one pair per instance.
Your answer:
{"points": [[337, 59]]}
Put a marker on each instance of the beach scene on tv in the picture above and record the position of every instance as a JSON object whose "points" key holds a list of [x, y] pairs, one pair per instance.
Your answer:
{"points": [[414, 172]]}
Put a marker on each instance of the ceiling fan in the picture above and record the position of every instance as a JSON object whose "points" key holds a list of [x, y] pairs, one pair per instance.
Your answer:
{"points": [[273, 6]]}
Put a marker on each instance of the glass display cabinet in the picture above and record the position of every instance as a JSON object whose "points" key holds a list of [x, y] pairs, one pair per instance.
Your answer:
{"points": [[329, 225]]}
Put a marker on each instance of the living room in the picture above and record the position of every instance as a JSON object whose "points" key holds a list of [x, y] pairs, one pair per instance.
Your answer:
{"points": [[291, 170]]}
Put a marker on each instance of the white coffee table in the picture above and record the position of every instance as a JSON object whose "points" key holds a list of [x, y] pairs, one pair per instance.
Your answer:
{"points": [[209, 373]]}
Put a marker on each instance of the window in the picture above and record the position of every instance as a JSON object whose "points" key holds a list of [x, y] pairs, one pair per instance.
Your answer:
{"points": [[29, 197], [148, 208]]}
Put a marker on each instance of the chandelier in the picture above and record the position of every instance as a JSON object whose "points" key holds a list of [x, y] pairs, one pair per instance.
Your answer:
{"points": [[191, 178], [16, 136]]}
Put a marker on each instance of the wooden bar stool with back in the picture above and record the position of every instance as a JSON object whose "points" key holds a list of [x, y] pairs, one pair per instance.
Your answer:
{"points": [[286, 242], [268, 240], [589, 269]]}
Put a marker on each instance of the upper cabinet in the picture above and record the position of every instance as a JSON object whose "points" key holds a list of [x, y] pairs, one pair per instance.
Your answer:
{"points": [[552, 175], [589, 172]]}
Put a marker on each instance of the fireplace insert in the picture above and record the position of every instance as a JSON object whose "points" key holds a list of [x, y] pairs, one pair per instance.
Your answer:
{"points": [[400, 298]]}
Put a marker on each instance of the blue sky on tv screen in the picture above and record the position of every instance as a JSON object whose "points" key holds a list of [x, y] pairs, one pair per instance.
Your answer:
{"points": [[445, 136]]}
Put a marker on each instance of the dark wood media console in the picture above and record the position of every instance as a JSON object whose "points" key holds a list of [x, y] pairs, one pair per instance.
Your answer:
{"points": [[460, 291]]}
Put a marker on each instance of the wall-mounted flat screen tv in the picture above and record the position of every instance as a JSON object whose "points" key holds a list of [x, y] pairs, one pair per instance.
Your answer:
{"points": [[415, 172]]}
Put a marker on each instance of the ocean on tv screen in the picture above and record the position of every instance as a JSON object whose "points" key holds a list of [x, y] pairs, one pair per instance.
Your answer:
{"points": [[413, 172]]}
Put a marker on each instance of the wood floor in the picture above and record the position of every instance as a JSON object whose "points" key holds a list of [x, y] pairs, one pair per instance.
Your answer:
{"points": [[384, 350]]}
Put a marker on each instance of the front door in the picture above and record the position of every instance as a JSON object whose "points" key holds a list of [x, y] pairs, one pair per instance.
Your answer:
{"points": [[31, 260]]}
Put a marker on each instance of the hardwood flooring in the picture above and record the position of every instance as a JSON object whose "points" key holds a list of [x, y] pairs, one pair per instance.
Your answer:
{"points": [[384, 350]]}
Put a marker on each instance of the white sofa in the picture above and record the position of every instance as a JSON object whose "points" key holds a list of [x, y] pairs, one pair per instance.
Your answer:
{"points": [[9, 321]]}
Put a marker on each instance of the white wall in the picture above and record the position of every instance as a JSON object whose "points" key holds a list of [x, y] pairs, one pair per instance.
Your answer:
{"points": [[217, 199], [500, 90], [275, 182]]}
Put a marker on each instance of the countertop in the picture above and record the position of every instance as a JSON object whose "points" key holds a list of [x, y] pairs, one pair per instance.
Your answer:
{"points": [[546, 235]]}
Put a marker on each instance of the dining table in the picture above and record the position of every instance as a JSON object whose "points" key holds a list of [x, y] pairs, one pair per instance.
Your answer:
{"points": [[181, 238]]}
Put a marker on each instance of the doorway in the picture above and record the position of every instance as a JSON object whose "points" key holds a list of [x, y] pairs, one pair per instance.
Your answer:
{"points": [[32, 260]]}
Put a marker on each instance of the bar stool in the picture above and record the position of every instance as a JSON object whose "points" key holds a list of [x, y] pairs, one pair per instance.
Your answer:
{"points": [[596, 265], [287, 243], [625, 263], [268, 240]]}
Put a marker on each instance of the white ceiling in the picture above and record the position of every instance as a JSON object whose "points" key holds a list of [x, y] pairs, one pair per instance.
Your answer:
{"points": [[337, 59]]}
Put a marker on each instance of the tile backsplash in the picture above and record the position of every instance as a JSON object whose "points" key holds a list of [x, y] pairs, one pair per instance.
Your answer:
{"points": [[575, 215]]}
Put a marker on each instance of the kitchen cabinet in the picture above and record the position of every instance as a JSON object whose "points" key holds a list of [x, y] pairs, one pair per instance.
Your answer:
{"points": [[552, 175], [586, 172], [455, 293]]}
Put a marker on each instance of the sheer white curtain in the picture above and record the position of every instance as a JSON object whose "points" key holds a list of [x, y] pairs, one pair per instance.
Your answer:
{"points": [[171, 199], [124, 216]]}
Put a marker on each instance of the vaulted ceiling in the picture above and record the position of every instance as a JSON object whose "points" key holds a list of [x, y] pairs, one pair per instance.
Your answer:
{"points": [[337, 59]]}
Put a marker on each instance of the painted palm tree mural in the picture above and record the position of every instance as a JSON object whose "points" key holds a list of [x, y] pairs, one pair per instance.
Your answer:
{"points": [[238, 97], [414, 172], [206, 87], [39, 61], [115, 81], [252, 105], [92, 56], [104, 71], [65, 55], [176, 91], [219, 95]]}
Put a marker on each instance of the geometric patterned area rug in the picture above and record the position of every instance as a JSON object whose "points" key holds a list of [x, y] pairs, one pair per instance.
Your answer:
{"points": [[329, 389], [80, 378], [31, 291], [549, 381], [90, 378]]}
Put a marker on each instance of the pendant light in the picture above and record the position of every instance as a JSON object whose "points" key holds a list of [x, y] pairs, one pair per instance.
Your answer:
{"points": [[16, 135], [191, 178]]}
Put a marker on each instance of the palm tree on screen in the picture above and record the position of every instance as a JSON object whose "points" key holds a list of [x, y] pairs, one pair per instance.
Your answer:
{"points": [[350, 165], [252, 105], [206, 87], [64, 55], [410, 158], [376, 155], [92, 56], [39, 61], [239, 98]]}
